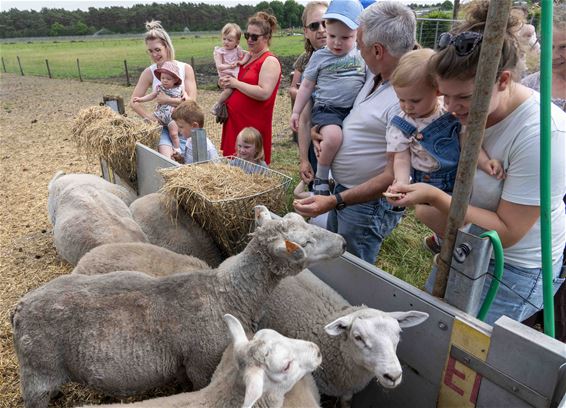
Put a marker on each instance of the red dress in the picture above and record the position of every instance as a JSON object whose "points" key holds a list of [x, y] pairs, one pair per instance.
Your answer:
{"points": [[244, 111]]}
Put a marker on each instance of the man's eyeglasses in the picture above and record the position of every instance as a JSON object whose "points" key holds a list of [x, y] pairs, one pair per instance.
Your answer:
{"points": [[315, 25], [254, 37], [464, 43]]}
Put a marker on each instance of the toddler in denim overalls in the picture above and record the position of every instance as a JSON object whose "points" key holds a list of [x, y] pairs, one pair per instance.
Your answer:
{"points": [[424, 138]]}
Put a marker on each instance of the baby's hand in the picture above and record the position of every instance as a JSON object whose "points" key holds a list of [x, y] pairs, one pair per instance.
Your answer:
{"points": [[136, 99], [495, 169], [294, 122], [391, 195]]}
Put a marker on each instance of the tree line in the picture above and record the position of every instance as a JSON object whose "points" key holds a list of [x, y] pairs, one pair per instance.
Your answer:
{"points": [[107, 20]]}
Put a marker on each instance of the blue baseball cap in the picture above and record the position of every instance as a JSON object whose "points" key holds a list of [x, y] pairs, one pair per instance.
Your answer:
{"points": [[367, 3], [346, 11]]}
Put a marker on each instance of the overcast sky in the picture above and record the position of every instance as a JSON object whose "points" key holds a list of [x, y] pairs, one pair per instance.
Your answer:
{"points": [[85, 4]]}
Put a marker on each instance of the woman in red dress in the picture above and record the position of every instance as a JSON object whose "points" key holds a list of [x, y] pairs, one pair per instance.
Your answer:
{"points": [[255, 89]]}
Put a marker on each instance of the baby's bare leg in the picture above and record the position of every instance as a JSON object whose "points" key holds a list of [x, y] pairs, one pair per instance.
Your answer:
{"points": [[225, 94], [174, 134], [331, 142]]}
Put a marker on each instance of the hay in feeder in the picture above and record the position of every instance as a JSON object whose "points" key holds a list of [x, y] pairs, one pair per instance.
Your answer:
{"points": [[100, 132], [221, 194]]}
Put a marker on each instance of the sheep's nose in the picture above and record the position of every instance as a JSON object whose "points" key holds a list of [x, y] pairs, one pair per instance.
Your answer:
{"points": [[393, 377]]}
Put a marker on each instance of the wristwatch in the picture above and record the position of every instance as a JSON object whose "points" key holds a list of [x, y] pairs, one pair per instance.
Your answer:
{"points": [[340, 204]]}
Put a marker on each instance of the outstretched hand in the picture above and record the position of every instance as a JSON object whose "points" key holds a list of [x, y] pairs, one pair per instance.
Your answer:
{"points": [[314, 205], [412, 194]]}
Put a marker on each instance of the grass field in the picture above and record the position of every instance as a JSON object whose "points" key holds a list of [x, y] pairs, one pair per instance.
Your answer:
{"points": [[104, 58]]}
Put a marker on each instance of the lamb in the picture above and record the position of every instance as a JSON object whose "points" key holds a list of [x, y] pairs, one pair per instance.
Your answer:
{"points": [[257, 372], [86, 217], [136, 256], [175, 230], [126, 332], [60, 181], [357, 343]]}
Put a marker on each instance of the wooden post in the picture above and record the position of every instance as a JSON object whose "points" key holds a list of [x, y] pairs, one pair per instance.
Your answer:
{"points": [[193, 63], [20, 64], [48, 70], [198, 141], [127, 74], [79, 69], [456, 9], [4, 65], [486, 74]]}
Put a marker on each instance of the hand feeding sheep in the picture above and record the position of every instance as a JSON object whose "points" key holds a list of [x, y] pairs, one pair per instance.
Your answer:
{"points": [[257, 372], [357, 343], [175, 230], [126, 332], [136, 256]]}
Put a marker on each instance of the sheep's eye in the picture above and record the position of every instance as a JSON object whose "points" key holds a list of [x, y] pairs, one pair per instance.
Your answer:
{"points": [[360, 339], [286, 368]]}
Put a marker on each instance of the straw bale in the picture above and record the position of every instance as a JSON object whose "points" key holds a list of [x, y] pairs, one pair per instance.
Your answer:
{"points": [[221, 196], [101, 133]]}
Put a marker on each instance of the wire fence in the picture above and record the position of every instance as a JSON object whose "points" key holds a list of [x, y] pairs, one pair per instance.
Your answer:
{"points": [[119, 60]]}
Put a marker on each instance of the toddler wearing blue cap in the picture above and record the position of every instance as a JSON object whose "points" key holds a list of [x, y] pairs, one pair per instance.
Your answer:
{"points": [[333, 77]]}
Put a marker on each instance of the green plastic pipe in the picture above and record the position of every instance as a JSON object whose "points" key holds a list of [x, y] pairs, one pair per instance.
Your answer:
{"points": [[545, 146], [497, 273]]}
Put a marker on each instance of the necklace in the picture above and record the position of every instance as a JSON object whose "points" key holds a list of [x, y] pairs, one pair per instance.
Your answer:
{"points": [[256, 57]]}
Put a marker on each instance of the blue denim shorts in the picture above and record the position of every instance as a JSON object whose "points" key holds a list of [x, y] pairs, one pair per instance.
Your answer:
{"points": [[165, 140], [364, 226], [324, 115], [520, 291]]}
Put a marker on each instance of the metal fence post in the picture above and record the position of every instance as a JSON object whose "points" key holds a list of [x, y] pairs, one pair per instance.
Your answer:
{"points": [[48, 70], [193, 63], [4, 65], [436, 35], [79, 69], [127, 74], [20, 64], [421, 32]]}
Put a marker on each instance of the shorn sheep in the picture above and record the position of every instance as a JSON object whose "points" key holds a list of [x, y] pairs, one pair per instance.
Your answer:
{"points": [[357, 343], [175, 230], [60, 181], [257, 372], [87, 211], [136, 256], [126, 332]]}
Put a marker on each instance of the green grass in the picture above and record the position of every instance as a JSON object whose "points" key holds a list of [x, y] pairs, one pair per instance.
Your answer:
{"points": [[104, 58]]}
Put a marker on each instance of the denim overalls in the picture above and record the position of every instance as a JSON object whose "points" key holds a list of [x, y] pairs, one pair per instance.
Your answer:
{"points": [[441, 140]]}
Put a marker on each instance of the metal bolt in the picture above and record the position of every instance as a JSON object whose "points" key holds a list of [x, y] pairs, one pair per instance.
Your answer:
{"points": [[442, 326], [515, 388], [462, 251]]}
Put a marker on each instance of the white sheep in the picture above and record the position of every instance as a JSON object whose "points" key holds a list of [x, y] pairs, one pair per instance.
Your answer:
{"points": [[257, 372], [167, 227], [136, 256], [357, 343], [127, 332], [60, 181], [86, 217]]}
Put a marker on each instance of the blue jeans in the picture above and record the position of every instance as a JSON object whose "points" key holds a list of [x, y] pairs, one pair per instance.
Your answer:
{"points": [[520, 292], [165, 139], [364, 226]]}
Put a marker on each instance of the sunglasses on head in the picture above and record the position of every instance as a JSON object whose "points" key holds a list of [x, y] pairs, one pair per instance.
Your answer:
{"points": [[315, 25], [464, 43], [254, 37]]}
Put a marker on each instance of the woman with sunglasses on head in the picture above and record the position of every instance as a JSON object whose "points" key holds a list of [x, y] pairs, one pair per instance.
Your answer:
{"points": [[253, 100], [315, 39], [510, 206], [160, 49]]}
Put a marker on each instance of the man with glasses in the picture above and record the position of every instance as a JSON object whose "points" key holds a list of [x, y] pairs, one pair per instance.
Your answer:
{"points": [[361, 168]]}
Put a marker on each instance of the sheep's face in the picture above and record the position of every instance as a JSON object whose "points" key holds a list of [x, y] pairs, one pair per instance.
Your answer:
{"points": [[370, 339], [271, 363], [294, 241]]}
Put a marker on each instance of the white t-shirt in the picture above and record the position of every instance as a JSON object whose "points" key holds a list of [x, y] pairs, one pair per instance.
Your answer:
{"points": [[515, 141], [363, 153]]}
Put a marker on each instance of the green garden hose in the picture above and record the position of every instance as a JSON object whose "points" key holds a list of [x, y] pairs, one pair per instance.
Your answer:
{"points": [[497, 273]]}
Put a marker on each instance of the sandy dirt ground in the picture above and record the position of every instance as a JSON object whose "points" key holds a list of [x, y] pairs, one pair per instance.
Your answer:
{"points": [[35, 142]]}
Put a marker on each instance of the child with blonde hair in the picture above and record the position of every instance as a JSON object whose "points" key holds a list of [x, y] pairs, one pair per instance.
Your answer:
{"points": [[228, 59], [424, 138], [249, 146]]}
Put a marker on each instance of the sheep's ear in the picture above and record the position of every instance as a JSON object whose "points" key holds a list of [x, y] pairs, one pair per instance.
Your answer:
{"points": [[254, 386], [294, 216], [290, 250], [236, 331], [261, 215], [409, 319], [339, 325]]}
